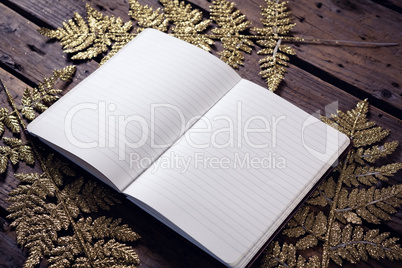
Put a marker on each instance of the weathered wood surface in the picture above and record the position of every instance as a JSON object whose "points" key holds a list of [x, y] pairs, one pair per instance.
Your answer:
{"points": [[342, 20], [317, 76]]}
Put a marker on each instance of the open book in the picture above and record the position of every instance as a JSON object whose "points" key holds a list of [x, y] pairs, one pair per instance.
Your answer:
{"points": [[217, 158]]}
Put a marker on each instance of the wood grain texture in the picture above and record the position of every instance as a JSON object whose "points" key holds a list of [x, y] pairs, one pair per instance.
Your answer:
{"points": [[361, 20], [336, 19], [314, 80], [30, 56]]}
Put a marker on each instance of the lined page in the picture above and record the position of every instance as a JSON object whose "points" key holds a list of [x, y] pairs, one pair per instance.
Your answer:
{"points": [[130, 110], [234, 177]]}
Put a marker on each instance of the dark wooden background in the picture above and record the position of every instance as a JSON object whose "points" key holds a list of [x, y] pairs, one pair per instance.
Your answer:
{"points": [[317, 76]]}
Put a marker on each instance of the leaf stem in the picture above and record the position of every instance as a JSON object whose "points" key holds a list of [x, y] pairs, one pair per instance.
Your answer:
{"points": [[331, 217], [359, 242], [12, 103]]}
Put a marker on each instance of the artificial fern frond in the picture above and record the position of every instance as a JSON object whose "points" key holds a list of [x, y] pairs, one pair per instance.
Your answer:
{"points": [[44, 214], [275, 18], [91, 38], [103, 227], [36, 230], [89, 196], [74, 36], [324, 194], [375, 152], [15, 151], [276, 23], [355, 125], [353, 244], [146, 17], [369, 175], [285, 256], [100, 254], [107, 31], [308, 223], [188, 23], [8, 120], [372, 205], [41, 97], [231, 24]]}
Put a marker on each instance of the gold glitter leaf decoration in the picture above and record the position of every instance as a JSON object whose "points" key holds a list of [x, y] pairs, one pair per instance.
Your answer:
{"points": [[324, 194], [100, 253], [306, 222], [351, 197], [286, 256], [188, 23], [15, 151], [48, 219], [369, 175], [375, 152], [277, 24], [372, 205], [9, 120], [146, 17], [41, 97], [91, 38], [101, 34], [231, 24], [354, 244]]}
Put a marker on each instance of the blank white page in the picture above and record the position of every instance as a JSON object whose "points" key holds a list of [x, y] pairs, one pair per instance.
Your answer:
{"points": [[131, 109], [262, 155]]}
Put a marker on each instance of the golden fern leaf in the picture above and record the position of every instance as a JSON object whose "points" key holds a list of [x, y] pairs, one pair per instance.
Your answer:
{"points": [[324, 194], [3, 163], [146, 17], [44, 216], [103, 227], [2, 128], [100, 254], [276, 23], [57, 168], [74, 36], [355, 125], [369, 175], [309, 225], [375, 152], [353, 244], [15, 151], [188, 23], [107, 31], [91, 38], [9, 120], [280, 256], [89, 196], [36, 230], [44, 94], [231, 23], [285, 256], [372, 205]]}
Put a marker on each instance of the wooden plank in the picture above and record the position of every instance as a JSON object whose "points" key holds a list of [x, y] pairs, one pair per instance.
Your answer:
{"points": [[301, 88], [376, 71], [11, 255], [53, 12], [159, 247], [27, 54], [325, 20]]}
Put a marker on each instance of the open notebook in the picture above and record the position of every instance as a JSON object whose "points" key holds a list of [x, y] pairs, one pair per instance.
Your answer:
{"points": [[217, 158]]}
